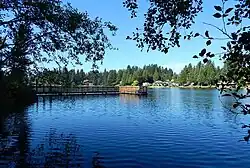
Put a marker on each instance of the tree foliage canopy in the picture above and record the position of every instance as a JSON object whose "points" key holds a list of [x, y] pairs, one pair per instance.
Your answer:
{"points": [[36, 32], [42, 31], [176, 14]]}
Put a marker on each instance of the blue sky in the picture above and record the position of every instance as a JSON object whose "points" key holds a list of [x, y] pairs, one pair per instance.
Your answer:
{"points": [[128, 53]]}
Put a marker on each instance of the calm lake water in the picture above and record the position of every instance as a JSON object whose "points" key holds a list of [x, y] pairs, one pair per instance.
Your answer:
{"points": [[167, 128]]}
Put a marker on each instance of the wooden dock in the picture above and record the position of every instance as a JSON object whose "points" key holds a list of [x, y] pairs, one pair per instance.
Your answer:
{"points": [[92, 90], [133, 90]]}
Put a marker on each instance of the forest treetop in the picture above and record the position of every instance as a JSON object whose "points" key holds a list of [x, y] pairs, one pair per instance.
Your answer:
{"points": [[199, 74]]}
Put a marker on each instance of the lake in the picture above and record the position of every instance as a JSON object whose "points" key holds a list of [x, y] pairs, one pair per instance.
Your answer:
{"points": [[168, 128]]}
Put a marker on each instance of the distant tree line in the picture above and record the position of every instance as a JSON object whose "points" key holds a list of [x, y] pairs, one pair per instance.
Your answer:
{"points": [[201, 74], [132, 75]]}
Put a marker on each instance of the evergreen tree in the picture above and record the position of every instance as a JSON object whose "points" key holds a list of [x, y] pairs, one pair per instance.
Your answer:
{"points": [[124, 78], [82, 76], [183, 75], [210, 72], [145, 75], [105, 78], [156, 75], [130, 79], [119, 76], [189, 75], [112, 78]]}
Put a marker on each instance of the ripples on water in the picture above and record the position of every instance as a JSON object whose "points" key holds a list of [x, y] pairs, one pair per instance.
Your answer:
{"points": [[167, 128]]}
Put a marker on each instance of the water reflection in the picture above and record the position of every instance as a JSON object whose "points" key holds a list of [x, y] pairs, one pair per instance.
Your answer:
{"points": [[199, 99], [56, 150], [127, 98], [14, 138], [97, 161], [167, 128]]}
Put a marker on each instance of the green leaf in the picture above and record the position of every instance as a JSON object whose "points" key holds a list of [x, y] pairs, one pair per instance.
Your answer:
{"points": [[212, 55], [208, 42], [128, 38], [233, 42], [203, 52], [217, 15], [205, 60], [234, 36], [195, 56], [218, 8], [229, 10], [165, 50], [224, 48], [196, 34], [207, 34], [237, 6]]}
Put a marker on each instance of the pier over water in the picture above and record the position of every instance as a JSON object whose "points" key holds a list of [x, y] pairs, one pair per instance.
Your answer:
{"points": [[84, 90]]}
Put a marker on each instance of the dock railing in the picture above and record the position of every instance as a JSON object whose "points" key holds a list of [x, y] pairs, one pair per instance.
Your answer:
{"points": [[60, 90]]}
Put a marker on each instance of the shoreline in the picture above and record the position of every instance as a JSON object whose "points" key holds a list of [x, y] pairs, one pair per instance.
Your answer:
{"points": [[198, 87], [184, 87]]}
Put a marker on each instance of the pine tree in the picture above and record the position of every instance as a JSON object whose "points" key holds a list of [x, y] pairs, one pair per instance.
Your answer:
{"points": [[119, 76], [124, 78], [66, 77], [82, 76], [105, 78], [112, 78], [156, 75], [183, 75], [189, 75]]}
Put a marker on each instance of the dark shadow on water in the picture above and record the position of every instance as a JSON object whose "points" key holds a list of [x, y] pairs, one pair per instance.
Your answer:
{"points": [[61, 150], [54, 150], [97, 161], [14, 136]]}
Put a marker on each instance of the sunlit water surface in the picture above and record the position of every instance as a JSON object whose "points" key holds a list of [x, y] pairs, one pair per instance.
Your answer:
{"points": [[167, 128]]}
